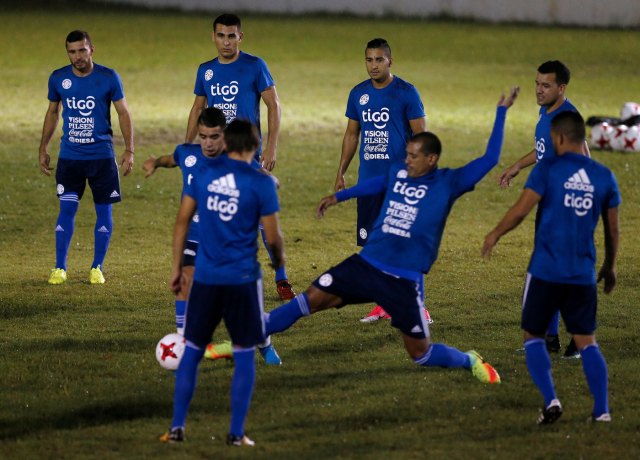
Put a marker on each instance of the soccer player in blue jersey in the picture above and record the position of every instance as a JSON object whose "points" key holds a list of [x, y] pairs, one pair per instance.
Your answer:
{"points": [[383, 112], [572, 192], [231, 198], [235, 82], [402, 246], [211, 125], [552, 80], [84, 91]]}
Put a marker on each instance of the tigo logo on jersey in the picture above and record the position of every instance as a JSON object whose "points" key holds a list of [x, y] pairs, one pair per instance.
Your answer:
{"points": [[228, 92], [84, 106], [190, 161], [208, 75], [225, 185], [364, 99], [379, 119], [66, 83], [579, 182], [410, 194]]}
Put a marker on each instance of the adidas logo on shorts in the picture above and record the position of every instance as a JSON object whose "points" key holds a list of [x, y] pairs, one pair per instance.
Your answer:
{"points": [[114, 194]]}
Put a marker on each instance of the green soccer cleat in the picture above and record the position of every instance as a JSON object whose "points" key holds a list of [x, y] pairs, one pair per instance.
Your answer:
{"points": [[482, 370], [96, 276], [57, 276], [219, 350]]}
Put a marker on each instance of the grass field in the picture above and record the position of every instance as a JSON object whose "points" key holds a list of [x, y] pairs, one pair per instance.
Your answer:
{"points": [[79, 378]]}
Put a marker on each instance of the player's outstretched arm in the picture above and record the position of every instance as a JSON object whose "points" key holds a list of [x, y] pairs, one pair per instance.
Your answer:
{"points": [[275, 241], [325, 203], [126, 127], [51, 118], [199, 103], [274, 113], [349, 146], [512, 171], [514, 216], [152, 163], [611, 240], [185, 213]]}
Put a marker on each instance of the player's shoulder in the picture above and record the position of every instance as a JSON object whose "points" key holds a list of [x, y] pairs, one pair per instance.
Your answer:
{"points": [[250, 58], [402, 85], [62, 72], [104, 70], [362, 86]]}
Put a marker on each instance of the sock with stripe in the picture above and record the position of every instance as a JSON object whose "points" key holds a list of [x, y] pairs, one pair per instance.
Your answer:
{"points": [[595, 369], [441, 355], [181, 308], [102, 233], [283, 317], [244, 377], [64, 227], [186, 377], [281, 273], [539, 366]]}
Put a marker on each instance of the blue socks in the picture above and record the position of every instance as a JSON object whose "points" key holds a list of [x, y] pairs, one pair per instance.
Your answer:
{"points": [[244, 377], [64, 227], [102, 233], [539, 365], [283, 317], [595, 369], [181, 307], [554, 325], [440, 355], [281, 273], [185, 384]]}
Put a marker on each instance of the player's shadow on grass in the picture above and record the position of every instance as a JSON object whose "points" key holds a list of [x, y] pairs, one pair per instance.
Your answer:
{"points": [[86, 345]]}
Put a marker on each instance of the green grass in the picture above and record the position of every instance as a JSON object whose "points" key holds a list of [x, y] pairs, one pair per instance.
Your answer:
{"points": [[79, 379]]}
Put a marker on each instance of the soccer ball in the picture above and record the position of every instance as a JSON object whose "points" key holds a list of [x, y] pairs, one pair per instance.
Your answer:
{"points": [[632, 139], [600, 136], [629, 109], [616, 140], [169, 351]]}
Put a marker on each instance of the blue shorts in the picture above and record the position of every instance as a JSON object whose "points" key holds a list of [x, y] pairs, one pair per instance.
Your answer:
{"points": [[356, 281], [542, 299], [102, 175], [240, 305], [189, 253], [368, 210]]}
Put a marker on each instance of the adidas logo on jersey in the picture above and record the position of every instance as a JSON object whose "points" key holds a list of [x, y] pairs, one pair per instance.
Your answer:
{"points": [[225, 185], [103, 229], [114, 194], [579, 181]]}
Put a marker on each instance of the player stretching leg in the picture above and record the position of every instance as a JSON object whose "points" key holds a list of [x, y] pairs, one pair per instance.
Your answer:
{"points": [[399, 251]]}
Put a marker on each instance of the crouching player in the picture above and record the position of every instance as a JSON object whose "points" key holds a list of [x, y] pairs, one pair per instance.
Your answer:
{"points": [[232, 199], [401, 248]]}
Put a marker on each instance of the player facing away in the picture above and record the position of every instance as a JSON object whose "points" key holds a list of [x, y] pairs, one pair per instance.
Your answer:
{"points": [[402, 246], [231, 197], [235, 82], [383, 112], [189, 157], [572, 192], [552, 80], [84, 91]]}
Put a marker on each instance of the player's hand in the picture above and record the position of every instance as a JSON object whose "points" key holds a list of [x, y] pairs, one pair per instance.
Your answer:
{"points": [[175, 282], [268, 158], [507, 175], [149, 166], [324, 204], [610, 276], [45, 159], [339, 185], [127, 162], [507, 101], [489, 242]]}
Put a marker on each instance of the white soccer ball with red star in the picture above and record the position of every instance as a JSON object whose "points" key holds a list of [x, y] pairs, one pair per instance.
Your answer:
{"points": [[629, 109], [616, 139], [169, 351], [601, 135], [632, 139]]}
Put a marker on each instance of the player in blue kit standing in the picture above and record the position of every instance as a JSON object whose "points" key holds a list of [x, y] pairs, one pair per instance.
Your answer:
{"points": [[383, 112], [231, 198], [402, 246], [571, 192], [235, 82], [552, 80], [189, 157], [85, 91]]}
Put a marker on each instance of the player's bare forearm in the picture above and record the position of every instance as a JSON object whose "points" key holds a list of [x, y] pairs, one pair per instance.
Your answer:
{"points": [[126, 127], [325, 203], [611, 241], [199, 104], [349, 147], [275, 241], [152, 163], [49, 125], [513, 170], [274, 114]]}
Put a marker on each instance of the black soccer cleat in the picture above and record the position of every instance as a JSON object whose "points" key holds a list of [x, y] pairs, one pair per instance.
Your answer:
{"points": [[550, 414], [572, 351], [173, 435], [553, 343], [239, 441]]}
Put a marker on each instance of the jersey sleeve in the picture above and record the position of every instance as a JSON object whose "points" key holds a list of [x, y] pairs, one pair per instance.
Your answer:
{"points": [[53, 95], [189, 187], [537, 180], [414, 108], [268, 197], [264, 79], [352, 110], [199, 88], [117, 91], [176, 156]]}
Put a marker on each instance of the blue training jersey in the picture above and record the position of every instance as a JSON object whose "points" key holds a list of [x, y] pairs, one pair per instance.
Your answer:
{"points": [[231, 198], [384, 116], [235, 88], [86, 111], [189, 157], [406, 236], [544, 146], [575, 190]]}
